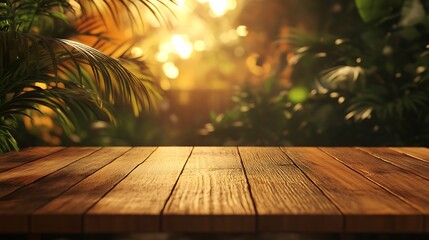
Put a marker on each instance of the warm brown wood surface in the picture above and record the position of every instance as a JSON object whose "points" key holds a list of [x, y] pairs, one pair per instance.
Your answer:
{"points": [[286, 200], [416, 152], [63, 214], [365, 206], [136, 203], [214, 189], [21, 203], [24, 156], [211, 195]]}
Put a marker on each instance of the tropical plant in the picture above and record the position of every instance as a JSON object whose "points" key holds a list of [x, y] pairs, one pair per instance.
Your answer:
{"points": [[41, 67], [367, 86]]}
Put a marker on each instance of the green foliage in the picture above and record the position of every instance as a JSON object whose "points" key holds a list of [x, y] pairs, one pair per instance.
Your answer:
{"points": [[369, 86], [76, 81], [257, 118], [371, 10]]}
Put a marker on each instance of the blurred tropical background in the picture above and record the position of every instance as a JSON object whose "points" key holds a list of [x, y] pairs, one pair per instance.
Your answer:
{"points": [[214, 72]]}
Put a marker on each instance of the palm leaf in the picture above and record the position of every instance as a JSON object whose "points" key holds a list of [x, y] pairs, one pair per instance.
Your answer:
{"points": [[111, 9]]}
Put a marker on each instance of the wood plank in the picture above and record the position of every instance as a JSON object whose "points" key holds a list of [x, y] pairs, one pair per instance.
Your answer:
{"points": [[286, 200], [14, 159], [135, 204], [211, 195], [23, 175], [409, 187], [64, 213], [418, 167], [366, 206], [421, 153], [15, 208]]}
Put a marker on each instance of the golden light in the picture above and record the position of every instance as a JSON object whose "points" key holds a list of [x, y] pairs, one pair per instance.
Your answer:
{"points": [[166, 47], [229, 36], [182, 46], [161, 57], [76, 7], [252, 65], [165, 84], [170, 70], [199, 45], [220, 7], [41, 85], [242, 31], [180, 3], [136, 52]]}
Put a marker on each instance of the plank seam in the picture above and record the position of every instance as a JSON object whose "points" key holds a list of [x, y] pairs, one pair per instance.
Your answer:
{"points": [[50, 173], [249, 188], [373, 181], [161, 222], [343, 226], [30, 216], [379, 185], [37, 158], [409, 155], [403, 167], [95, 203]]}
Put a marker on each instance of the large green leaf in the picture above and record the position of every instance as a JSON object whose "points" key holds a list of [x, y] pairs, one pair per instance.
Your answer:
{"points": [[371, 10]]}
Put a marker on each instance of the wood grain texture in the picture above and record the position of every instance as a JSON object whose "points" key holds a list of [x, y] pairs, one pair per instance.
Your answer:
{"points": [[404, 161], [20, 204], [115, 190], [65, 213], [135, 204], [421, 153], [285, 199], [211, 195], [23, 175], [409, 187], [366, 206], [14, 159]]}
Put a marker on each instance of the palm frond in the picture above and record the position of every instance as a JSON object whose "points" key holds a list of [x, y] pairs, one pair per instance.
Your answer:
{"points": [[20, 15], [338, 76], [7, 141], [111, 10], [75, 81], [387, 104]]}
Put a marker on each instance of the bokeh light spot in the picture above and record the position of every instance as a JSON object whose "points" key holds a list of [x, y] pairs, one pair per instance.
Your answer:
{"points": [[199, 45], [136, 52], [242, 31], [182, 46], [161, 57], [298, 94], [170, 70]]}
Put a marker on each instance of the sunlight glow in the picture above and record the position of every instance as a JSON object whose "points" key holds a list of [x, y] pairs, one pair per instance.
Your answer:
{"points": [[242, 31], [182, 46], [161, 57], [220, 7], [136, 52], [166, 47], [199, 45], [180, 3], [165, 84], [170, 70]]}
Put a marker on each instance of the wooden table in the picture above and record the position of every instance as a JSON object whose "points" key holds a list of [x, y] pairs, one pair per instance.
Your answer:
{"points": [[214, 189]]}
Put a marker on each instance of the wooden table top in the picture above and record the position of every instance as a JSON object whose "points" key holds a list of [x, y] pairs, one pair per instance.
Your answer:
{"points": [[214, 189]]}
